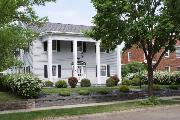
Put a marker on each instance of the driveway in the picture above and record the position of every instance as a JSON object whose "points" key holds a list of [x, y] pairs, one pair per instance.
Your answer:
{"points": [[157, 113]]}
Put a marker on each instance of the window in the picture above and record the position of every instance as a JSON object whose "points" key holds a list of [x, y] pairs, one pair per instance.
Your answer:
{"points": [[178, 52], [167, 54], [178, 68], [103, 70], [80, 46], [167, 68], [54, 70], [129, 56], [56, 45]]}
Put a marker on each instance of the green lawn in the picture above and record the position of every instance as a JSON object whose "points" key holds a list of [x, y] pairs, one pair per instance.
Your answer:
{"points": [[40, 115], [6, 97], [71, 90]]}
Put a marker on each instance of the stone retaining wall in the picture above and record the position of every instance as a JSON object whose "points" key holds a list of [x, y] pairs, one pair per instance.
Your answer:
{"points": [[15, 105], [56, 100]]}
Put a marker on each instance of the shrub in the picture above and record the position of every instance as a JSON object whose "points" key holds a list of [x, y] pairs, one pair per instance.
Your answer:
{"points": [[103, 91], [48, 83], [116, 79], [85, 83], [25, 85], [124, 88], [72, 82], [110, 82], [84, 92], [156, 87], [65, 93], [173, 87], [135, 81], [61, 84], [126, 82]]}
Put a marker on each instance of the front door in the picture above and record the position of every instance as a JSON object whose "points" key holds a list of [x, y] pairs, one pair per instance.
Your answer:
{"points": [[81, 71]]}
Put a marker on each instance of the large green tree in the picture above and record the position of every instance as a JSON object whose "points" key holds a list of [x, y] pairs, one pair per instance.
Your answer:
{"points": [[13, 36], [152, 25]]}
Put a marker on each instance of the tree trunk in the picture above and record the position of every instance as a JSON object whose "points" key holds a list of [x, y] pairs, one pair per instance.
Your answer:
{"points": [[150, 80]]}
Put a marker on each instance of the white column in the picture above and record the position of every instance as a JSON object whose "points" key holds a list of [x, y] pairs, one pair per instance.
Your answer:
{"points": [[98, 63], [75, 58], [50, 59], [118, 50]]}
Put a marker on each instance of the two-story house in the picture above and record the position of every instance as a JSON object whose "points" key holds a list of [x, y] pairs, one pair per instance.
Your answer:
{"points": [[62, 51]]}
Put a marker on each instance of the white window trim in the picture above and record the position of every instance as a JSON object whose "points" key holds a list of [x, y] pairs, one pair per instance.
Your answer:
{"points": [[106, 70], [169, 68], [176, 51], [129, 56], [168, 52]]}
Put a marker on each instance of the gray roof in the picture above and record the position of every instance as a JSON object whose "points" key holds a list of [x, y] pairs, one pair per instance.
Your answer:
{"points": [[48, 27]]}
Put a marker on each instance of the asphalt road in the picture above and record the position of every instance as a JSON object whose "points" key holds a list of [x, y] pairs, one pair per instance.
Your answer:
{"points": [[158, 113]]}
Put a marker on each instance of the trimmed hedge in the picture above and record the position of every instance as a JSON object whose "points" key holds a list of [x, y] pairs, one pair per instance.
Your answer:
{"points": [[48, 83], [110, 82], [124, 88], [85, 83], [61, 84], [25, 85], [72, 82]]}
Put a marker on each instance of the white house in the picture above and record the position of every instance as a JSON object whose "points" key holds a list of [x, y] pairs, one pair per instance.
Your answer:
{"points": [[62, 51]]}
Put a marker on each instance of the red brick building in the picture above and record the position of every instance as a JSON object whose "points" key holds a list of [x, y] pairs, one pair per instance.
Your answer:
{"points": [[170, 62]]}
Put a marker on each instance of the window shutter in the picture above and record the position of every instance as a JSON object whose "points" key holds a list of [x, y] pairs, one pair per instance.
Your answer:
{"points": [[108, 70], [96, 70], [58, 45], [45, 71], [45, 46], [71, 46], [84, 46], [59, 71], [95, 48]]}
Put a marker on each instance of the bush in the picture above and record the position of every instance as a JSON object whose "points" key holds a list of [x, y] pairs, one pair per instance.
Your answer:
{"points": [[72, 82], [110, 82], [103, 91], [124, 88], [84, 92], [174, 87], [25, 85], [116, 79], [126, 82], [65, 93], [61, 84], [48, 83], [156, 87], [151, 101], [135, 81], [85, 83]]}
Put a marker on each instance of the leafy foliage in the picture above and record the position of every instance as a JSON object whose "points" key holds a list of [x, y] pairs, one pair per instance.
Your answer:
{"points": [[85, 83], [151, 101], [124, 88], [151, 25], [110, 82], [84, 92], [72, 82], [25, 85], [61, 84], [13, 34], [65, 93], [116, 79], [48, 83], [133, 67]]}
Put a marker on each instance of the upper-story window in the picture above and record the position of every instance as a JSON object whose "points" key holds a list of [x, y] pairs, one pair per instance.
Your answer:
{"points": [[80, 46], [167, 54], [55, 46], [178, 52], [129, 56]]}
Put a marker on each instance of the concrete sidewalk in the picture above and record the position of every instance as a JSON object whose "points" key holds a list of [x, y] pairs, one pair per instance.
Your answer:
{"points": [[78, 105]]}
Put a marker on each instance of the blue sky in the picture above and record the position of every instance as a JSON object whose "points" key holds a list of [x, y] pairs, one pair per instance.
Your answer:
{"points": [[68, 11]]}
